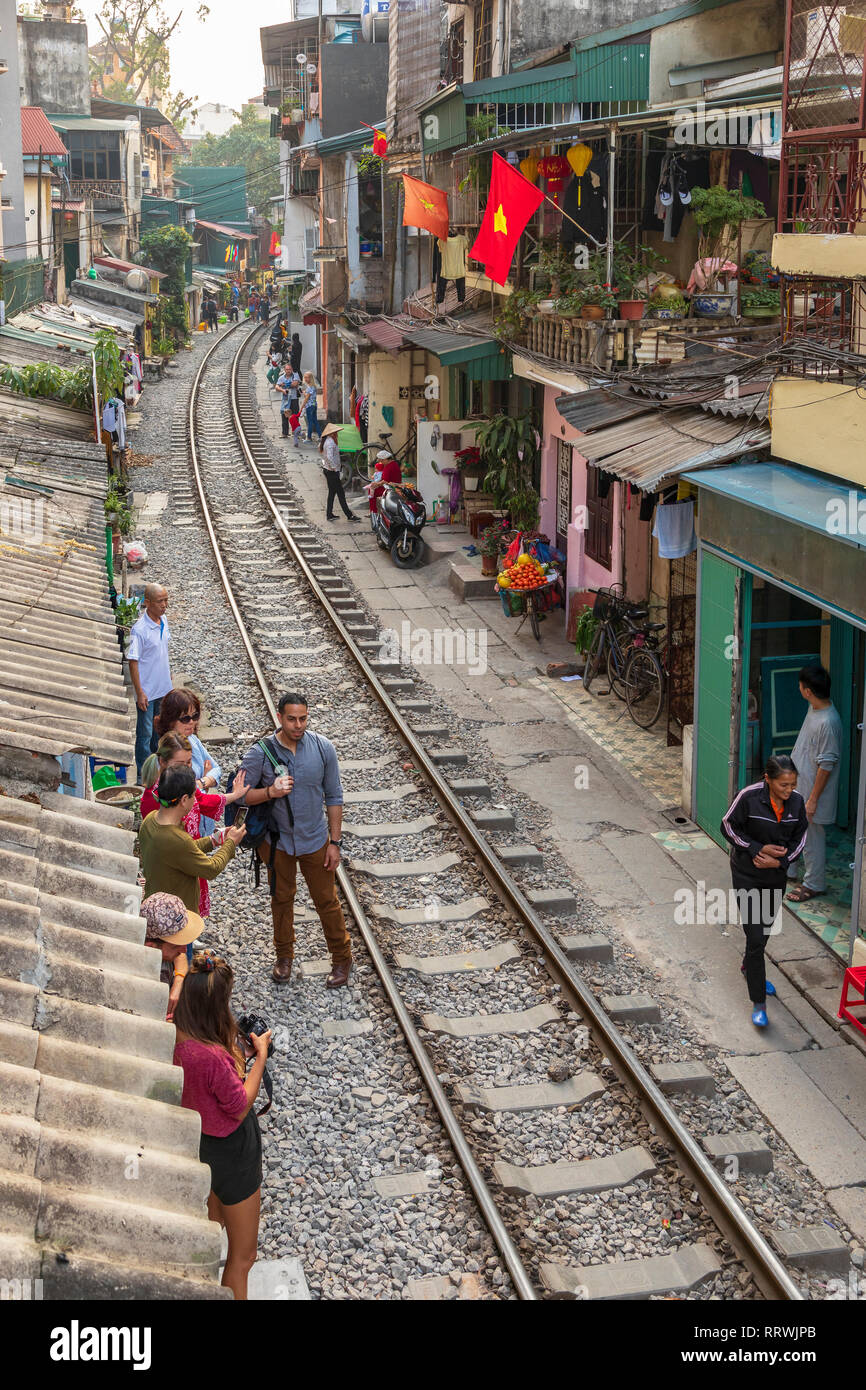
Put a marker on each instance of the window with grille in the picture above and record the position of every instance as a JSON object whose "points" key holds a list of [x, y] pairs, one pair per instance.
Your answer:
{"points": [[454, 56], [311, 244], [599, 520], [482, 47]]}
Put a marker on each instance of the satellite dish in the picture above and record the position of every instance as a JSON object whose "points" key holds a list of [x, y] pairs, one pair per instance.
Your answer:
{"points": [[137, 281], [300, 59], [312, 69]]}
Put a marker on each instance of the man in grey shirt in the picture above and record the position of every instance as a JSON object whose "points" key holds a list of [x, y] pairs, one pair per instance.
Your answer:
{"points": [[297, 774], [816, 757]]}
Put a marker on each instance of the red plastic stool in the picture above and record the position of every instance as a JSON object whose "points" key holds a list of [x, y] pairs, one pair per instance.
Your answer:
{"points": [[855, 978]]}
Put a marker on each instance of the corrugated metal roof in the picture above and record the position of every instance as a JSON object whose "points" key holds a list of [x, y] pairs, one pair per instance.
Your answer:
{"points": [[37, 133], [384, 335], [592, 410], [86, 1078], [646, 450], [114, 263], [612, 72], [61, 673], [225, 230]]}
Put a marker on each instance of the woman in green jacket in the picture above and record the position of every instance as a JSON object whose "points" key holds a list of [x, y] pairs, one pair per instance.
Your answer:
{"points": [[171, 861]]}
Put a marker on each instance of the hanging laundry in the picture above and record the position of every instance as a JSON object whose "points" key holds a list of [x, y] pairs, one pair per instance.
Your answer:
{"points": [[452, 266], [674, 530]]}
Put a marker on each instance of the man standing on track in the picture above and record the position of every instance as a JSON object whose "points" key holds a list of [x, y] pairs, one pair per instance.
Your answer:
{"points": [[299, 833], [149, 668]]}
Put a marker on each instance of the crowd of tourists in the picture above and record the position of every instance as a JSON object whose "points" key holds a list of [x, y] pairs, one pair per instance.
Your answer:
{"points": [[284, 805]]}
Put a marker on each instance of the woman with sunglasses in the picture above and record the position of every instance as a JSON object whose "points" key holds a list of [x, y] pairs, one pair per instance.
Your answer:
{"points": [[180, 714], [174, 751]]}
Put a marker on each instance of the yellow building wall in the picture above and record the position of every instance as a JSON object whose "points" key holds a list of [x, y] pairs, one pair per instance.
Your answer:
{"points": [[808, 254], [387, 374], [30, 215], [820, 424]]}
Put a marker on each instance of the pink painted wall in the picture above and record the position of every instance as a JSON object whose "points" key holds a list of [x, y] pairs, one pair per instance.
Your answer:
{"points": [[582, 573]]}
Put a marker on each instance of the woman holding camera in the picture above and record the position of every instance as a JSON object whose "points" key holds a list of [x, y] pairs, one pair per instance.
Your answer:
{"points": [[215, 1084]]}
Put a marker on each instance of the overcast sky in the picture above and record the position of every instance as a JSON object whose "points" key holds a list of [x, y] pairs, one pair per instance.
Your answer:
{"points": [[220, 60]]}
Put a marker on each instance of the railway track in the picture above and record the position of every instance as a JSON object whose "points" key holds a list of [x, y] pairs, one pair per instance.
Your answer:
{"points": [[279, 608]]}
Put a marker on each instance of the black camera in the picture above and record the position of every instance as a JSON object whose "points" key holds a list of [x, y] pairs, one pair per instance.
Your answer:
{"points": [[253, 1023]]}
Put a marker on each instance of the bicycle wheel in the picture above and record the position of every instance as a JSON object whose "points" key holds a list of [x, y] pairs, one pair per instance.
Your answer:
{"points": [[593, 659], [533, 617], [645, 687]]}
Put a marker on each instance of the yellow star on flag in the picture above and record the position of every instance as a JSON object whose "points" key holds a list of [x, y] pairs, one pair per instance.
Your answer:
{"points": [[430, 207], [499, 223]]}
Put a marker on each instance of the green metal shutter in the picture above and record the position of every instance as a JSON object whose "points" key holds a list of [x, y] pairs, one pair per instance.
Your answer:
{"points": [[713, 731]]}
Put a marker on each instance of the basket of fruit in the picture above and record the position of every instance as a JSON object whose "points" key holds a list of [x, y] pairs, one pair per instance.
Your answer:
{"points": [[526, 576]]}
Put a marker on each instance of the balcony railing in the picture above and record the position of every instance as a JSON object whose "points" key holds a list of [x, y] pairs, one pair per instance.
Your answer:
{"points": [[104, 189], [822, 187], [823, 328]]}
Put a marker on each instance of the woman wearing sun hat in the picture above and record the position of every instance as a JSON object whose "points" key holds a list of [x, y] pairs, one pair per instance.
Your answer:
{"points": [[171, 927], [330, 450]]}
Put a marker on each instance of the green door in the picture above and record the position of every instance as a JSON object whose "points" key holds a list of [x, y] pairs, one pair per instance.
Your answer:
{"points": [[718, 622]]}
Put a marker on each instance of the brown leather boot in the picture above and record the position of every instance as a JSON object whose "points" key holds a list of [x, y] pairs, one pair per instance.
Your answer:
{"points": [[339, 976], [282, 971]]}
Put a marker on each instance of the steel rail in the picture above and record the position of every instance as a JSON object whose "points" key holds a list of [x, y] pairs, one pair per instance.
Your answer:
{"points": [[520, 1276], [770, 1274]]}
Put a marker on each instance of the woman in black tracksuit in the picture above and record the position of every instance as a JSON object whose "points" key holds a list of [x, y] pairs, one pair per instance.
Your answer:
{"points": [[766, 826]]}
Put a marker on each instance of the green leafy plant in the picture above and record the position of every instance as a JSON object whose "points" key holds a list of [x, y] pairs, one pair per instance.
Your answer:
{"points": [[508, 447], [126, 612], [167, 248], [482, 125], [677, 303], [164, 347], [718, 212], [109, 368], [370, 165], [762, 297], [509, 319], [488, 541], [587, 626], [630, 268], [523, 505], [606, 296]]}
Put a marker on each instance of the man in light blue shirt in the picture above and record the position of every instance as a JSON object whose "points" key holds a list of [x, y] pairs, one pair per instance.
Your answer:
{"points": [[816, 756], [297, 772], [149, 668]]}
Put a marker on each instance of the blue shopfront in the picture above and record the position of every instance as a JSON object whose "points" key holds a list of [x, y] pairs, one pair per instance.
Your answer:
{"points": [[781, 585]]}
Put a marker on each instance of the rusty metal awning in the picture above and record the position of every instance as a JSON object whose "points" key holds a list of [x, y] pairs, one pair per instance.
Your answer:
{"points": [[651, 448]]}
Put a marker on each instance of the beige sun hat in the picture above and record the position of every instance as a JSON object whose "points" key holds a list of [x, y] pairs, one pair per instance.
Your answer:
{"points": [[331, 429]]}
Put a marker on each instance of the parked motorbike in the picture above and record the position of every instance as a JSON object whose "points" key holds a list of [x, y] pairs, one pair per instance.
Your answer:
{"points": [[398, 522]]}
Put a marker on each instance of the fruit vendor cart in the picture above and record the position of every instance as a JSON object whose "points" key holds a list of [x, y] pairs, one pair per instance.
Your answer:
{"points": [[529, 587]]}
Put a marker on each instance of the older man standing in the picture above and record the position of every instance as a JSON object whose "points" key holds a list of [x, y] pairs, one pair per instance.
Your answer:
{"points": [[296, 770], [149, 668]]}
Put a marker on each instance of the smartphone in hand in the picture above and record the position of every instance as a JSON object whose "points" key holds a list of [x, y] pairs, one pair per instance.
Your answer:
{"points": [[240, 816]]}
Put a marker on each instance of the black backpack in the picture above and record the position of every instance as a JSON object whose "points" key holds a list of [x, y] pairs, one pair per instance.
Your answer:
{"points": [[258, 822]]}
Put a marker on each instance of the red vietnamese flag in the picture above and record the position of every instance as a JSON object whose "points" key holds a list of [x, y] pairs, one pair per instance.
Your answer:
{"points": [[380, 140], [511, 201], [425, 206]]}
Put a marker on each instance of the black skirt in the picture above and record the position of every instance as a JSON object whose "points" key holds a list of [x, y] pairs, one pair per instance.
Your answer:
{"points": [[235, 1162]]}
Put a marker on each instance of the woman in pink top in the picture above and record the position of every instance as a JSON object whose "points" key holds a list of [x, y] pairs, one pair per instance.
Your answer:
{"points": [[174, 751], [215, 1084]]}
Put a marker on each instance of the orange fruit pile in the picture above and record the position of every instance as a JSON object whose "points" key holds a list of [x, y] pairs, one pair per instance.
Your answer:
{"points": [[525, 574]]}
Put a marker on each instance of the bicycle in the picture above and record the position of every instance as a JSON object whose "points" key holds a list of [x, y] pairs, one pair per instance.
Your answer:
{"points": [[358, 466], [646, 676], [613, 641]]}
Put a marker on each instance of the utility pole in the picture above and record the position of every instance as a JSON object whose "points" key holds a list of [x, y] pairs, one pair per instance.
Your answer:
{"points": [[39, 207]]}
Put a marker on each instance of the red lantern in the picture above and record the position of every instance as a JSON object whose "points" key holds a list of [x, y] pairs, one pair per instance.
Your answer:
{"points": [[554, 169]]}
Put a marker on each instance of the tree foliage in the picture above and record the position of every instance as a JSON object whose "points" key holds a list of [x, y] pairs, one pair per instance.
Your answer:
{"points": [[137, 32], [167, 249], [247, 143]]}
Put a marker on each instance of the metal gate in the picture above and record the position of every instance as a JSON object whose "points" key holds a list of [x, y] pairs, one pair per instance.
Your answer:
{"points": [[682, 592]]}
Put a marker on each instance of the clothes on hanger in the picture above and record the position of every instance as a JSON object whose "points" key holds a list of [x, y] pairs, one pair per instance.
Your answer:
{"points": [[584, 200], [114, 420], [674, 530], [452, 266]]}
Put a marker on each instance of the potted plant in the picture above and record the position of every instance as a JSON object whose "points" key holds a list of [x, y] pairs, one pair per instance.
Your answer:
{"points": [[126, 611], [760, 302], [489, 546], [668, 306], [508, 445], [630, 271], [556, 270], [718, 212], [596, 300]]}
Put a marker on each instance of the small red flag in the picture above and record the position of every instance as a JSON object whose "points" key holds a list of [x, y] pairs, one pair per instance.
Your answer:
{"points": [[425, 206], [511, 201], [380, 140]]}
